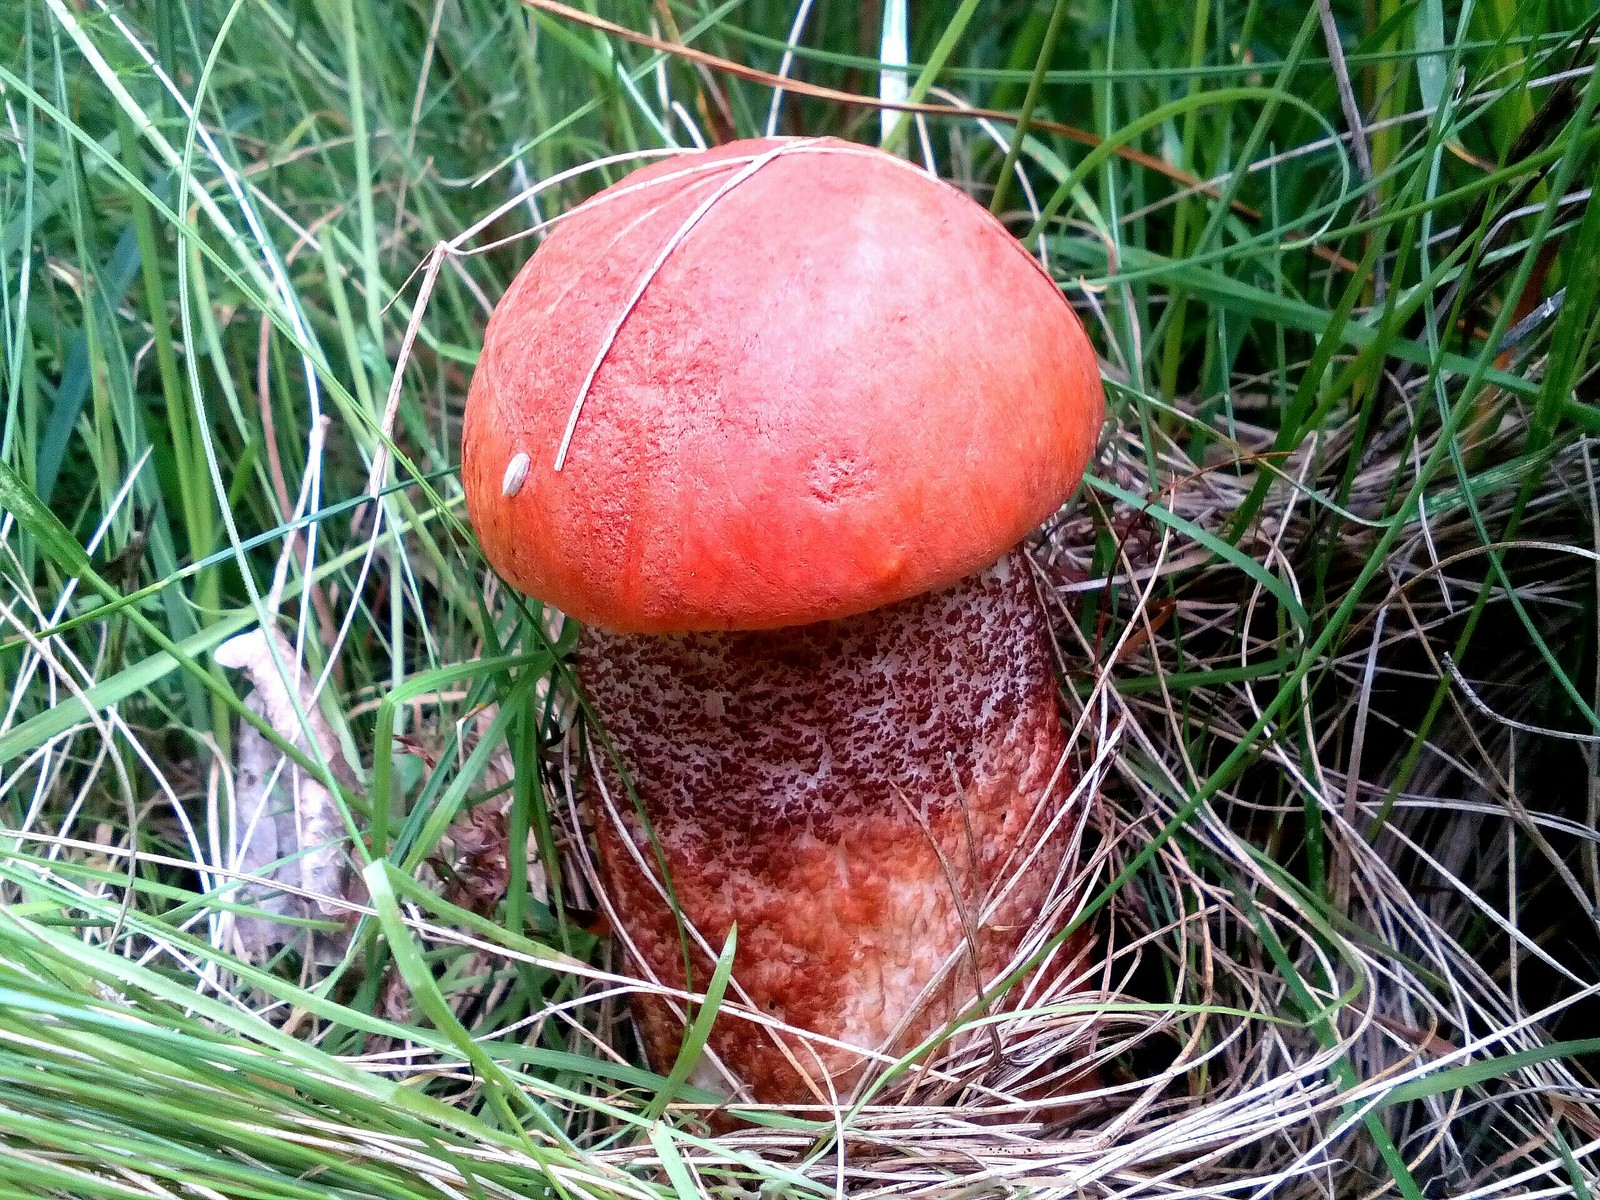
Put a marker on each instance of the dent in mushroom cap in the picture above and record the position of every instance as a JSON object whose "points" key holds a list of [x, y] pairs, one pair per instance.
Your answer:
{"points": [[834, 384]]}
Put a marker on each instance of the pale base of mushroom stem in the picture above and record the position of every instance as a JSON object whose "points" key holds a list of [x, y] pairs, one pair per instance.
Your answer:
{"points": [[878, 802]]}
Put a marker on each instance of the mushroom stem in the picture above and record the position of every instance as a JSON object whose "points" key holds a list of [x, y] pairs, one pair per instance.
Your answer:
{"points": [[875, 800]]}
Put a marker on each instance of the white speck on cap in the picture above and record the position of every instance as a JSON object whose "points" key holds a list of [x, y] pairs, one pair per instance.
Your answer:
{"points": [[516, 472]]}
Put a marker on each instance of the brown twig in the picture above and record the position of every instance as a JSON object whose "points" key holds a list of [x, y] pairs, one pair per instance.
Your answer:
{"points": [[922, 108]]}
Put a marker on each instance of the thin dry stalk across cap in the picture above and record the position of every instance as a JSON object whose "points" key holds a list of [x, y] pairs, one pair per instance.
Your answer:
{"points": [[771, 420]]}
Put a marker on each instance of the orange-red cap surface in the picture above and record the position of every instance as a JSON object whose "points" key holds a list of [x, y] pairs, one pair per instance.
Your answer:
{"points": [[825, 382]]}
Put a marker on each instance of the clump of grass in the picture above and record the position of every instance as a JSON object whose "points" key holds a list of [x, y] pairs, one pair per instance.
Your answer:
{"points": [[1326, 607]]}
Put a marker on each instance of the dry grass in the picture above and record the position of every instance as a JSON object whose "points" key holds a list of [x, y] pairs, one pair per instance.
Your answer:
{"points": [[1325, 615]]}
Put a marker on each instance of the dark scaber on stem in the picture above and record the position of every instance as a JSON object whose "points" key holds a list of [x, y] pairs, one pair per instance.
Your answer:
{"points": [[874, 800]]}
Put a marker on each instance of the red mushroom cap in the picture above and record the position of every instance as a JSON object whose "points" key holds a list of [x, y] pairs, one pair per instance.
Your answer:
{"points": [[822, 381]]}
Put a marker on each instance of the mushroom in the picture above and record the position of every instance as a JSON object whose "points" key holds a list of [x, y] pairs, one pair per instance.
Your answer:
{"points": [[771, 420]]}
